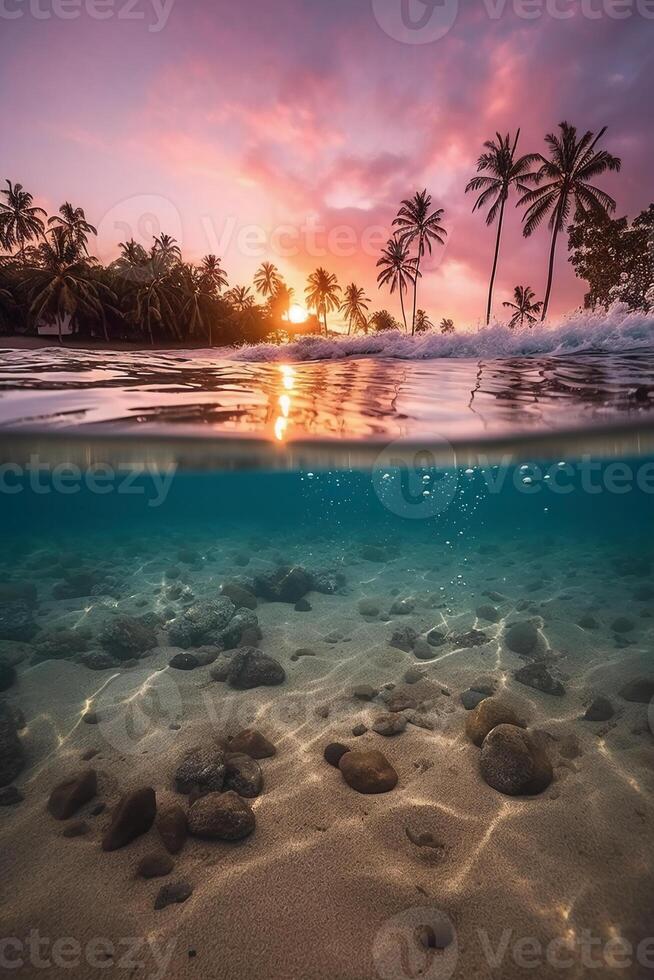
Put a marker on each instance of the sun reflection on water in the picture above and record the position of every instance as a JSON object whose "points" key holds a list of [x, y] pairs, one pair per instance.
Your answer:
{"points": [[284, 401]]}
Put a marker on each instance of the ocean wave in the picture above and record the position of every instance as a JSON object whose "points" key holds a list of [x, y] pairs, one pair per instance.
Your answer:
{"points": [[614, 331]]}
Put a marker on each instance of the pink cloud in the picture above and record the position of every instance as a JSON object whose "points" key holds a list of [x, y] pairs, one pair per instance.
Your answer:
{"points": [[283, 113]]}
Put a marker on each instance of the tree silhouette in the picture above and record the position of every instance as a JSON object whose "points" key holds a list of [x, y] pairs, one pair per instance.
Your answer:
{"points": [[524, 308], [418, 223], [354, 307], [19, 219], [76, 227], [267, 279], [322, 293], [398, 269], [498, 172], [562, 179]]}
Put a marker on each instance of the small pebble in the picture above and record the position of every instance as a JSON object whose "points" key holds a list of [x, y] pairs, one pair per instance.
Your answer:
{"points": [[364, 692], [173, 894], [334, 752], [155, 865], [184, 661], [10, 796], [76, 829]]}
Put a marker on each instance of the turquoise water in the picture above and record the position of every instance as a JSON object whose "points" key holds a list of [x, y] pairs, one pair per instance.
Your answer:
{"points": [[391, 584], [609, 499]]}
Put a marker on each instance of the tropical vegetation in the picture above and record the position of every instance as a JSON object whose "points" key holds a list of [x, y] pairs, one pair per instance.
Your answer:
{"points": [[498, 172], [562, 179], [526, 308], [49, 278]]}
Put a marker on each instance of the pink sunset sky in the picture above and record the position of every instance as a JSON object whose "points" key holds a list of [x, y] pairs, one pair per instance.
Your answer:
{"points": [[289, 130]]}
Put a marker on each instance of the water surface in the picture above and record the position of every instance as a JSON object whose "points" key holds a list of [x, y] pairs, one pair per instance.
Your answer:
{"points": [[369, 398]]}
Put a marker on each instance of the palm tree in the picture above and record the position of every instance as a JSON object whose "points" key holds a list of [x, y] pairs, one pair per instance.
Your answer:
{"points": [[423, 323], [166, 246], [382, 320], [417, 223], [19, 219], [73, 221], [131, 253], [154, 299], [563, 179], [55, 250], [279, 304], [322, 293], [132, 263], [267, 279], [64, 284], [198, 300], [212, 275], [8, 304], [355, 306], [447, 325], [524, 308], [497, 172], [241, 298], [398, 269]]}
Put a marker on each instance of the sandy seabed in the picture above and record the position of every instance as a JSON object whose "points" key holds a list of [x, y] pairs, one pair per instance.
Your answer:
{"points": [[325, 885]]}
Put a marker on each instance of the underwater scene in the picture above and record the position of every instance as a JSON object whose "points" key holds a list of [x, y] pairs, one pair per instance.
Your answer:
{"points": [[382, 719]]}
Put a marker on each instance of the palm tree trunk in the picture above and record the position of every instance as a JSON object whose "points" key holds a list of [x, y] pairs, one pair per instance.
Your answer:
{"points": [[550, 274], [415, 287], [406, 328], [494, 270]]}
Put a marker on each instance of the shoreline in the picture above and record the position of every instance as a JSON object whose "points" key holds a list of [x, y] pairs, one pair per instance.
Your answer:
{"points": [[41, 343]]}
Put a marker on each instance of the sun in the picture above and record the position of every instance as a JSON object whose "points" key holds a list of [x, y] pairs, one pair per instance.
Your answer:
{"points": [[297, 314]]}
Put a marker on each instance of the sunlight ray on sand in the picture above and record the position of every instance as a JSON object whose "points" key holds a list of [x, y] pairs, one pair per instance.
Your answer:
{"points": [[315, 835]]}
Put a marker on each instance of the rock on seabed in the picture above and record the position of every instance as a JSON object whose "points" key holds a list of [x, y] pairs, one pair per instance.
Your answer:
{"points": [[221, 816], [514, 762], [368, 771], [487, 715], [250, 668], [133, 816], [70, 795], [252, 743], [12, 755]]}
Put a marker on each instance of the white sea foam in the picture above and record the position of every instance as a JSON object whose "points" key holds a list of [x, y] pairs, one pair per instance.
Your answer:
{"points": [[615, 331]]}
